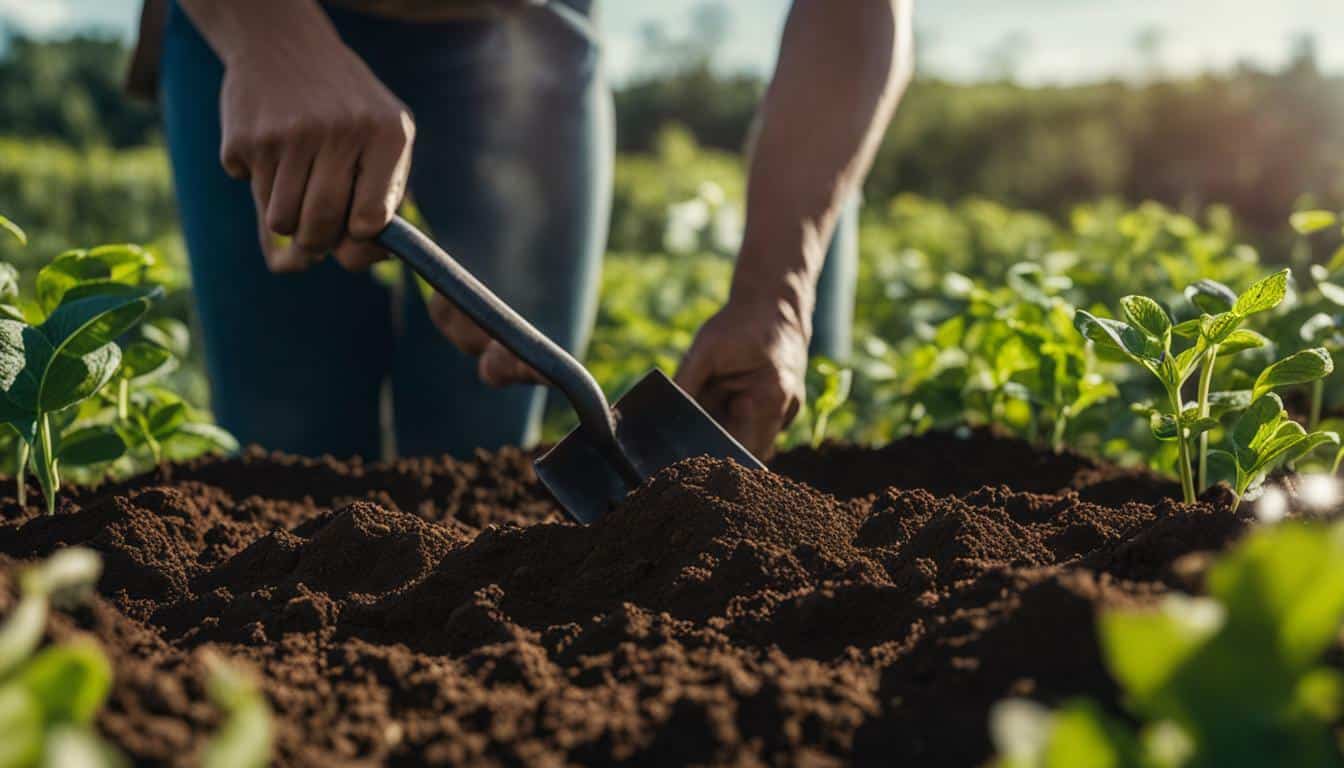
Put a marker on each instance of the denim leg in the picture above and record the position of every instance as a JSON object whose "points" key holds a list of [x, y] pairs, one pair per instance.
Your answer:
{"points": [[833, 317], [512, 172], [295, 361]]}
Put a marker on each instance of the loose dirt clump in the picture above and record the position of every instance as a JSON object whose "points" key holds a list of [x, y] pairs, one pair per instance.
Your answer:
{"points": [[859, 605]]}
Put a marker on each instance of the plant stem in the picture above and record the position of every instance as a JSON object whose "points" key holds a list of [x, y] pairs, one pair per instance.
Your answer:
{"points": [[819, 429], [1317, 398], [1187, 481], [45, 463], [123, 400], [1205, 381], [21, 472], [1061, 424]]}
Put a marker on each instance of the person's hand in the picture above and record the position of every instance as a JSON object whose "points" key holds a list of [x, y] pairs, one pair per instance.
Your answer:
{"points": [[496, 365], [746, 367], [326, 146]]}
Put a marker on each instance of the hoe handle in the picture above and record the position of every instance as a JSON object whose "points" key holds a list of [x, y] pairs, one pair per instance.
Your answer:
{"points": [[505, 326]]}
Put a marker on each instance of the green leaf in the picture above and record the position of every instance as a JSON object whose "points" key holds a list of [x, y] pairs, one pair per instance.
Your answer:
{"points": [[21, 726], [90, 445], [244, 740], [1307, 222], [1257, 424], [1264, 294], [1222, 467], [164, 418], [1164, 426], [194, 439], [1092, 390], [1217, 328], [1211, 296], [1285, 583], [1198, 426], [141, 359], [1297, 368], [1310, 443], [1113, 334], [1241, 340], [70, 379], [1221, 403], [174, 335], [18, 234], [1188, 329], [70, 681], [91, 316], [109, 264], [21, 632], [1148, 316], [1082, 735], [9, 282], [1144, 650]]}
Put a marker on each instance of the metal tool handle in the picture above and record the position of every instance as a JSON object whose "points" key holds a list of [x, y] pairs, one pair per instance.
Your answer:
{"points": [[506, 326]]}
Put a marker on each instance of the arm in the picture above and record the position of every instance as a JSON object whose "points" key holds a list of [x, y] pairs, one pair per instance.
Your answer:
{"points": [[842, 68], [324, 144]]}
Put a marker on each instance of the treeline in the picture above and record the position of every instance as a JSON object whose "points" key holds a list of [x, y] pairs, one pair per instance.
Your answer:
{"points": [[1257, 141]]}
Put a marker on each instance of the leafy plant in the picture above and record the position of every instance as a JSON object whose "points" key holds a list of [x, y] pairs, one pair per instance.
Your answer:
{"points": [[48, 698], [836, 383], [1225, 680], [1263, 438], [1146, 334]]}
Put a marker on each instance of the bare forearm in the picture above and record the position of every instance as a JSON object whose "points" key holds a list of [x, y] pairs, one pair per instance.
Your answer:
{"points": [[842, 68], [243, 27]]}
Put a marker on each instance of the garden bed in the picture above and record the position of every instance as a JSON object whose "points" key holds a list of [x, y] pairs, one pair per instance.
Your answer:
{"points": [[861, 605]]}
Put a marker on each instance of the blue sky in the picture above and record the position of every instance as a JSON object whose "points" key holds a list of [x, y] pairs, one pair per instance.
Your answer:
{"points": [[1063, 40]]}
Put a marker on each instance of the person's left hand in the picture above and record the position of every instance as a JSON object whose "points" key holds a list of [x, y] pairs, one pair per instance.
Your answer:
{"points": [[496, 365], [746, 367]]}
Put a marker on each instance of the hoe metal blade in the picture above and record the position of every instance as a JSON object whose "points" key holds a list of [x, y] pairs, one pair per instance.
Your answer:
{"points": [[657, 424]]}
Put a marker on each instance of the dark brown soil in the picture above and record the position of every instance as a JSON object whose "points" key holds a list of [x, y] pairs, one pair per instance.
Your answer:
{"points": [[436, 612]]}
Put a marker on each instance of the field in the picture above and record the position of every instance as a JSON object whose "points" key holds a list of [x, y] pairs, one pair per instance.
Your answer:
{"points": [[975, 544]]}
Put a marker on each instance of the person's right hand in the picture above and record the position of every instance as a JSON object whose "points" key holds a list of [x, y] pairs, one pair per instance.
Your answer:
{"points": [[326, 146]]}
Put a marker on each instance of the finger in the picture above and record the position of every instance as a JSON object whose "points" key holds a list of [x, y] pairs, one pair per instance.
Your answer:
{"points": [[380, 181], [287, 193], [457, 327], [694, 372], [358, 255], [326, 198], [754, 424]]}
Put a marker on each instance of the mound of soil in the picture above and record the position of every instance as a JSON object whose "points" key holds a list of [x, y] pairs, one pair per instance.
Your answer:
{"points": [[857, 605]]}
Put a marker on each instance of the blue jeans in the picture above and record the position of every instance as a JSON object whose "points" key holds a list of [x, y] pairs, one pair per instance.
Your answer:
{"points": [[512, 173]]}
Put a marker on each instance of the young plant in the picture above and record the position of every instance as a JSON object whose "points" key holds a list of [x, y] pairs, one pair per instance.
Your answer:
{"points": [[160, 422], [1218, 334], [1263, 438], [48, 698], [1144, 337], [1231, 679], [836, 383], [61, 362]]}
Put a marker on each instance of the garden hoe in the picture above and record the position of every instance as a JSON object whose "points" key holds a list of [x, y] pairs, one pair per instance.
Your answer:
{"points": [[613, 449]]}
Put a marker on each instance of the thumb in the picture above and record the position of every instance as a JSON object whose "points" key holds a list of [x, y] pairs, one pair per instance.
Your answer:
{"points": [[741, 420]]}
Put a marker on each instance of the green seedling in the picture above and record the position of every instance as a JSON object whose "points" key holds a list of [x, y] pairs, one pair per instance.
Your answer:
{"points": [[1218, 334], [1185, 670], [14, 230], [836, 383], [1263, 438], [163, 424], [1145, 337], [48, 698], [61, 362], [244, 739]]}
